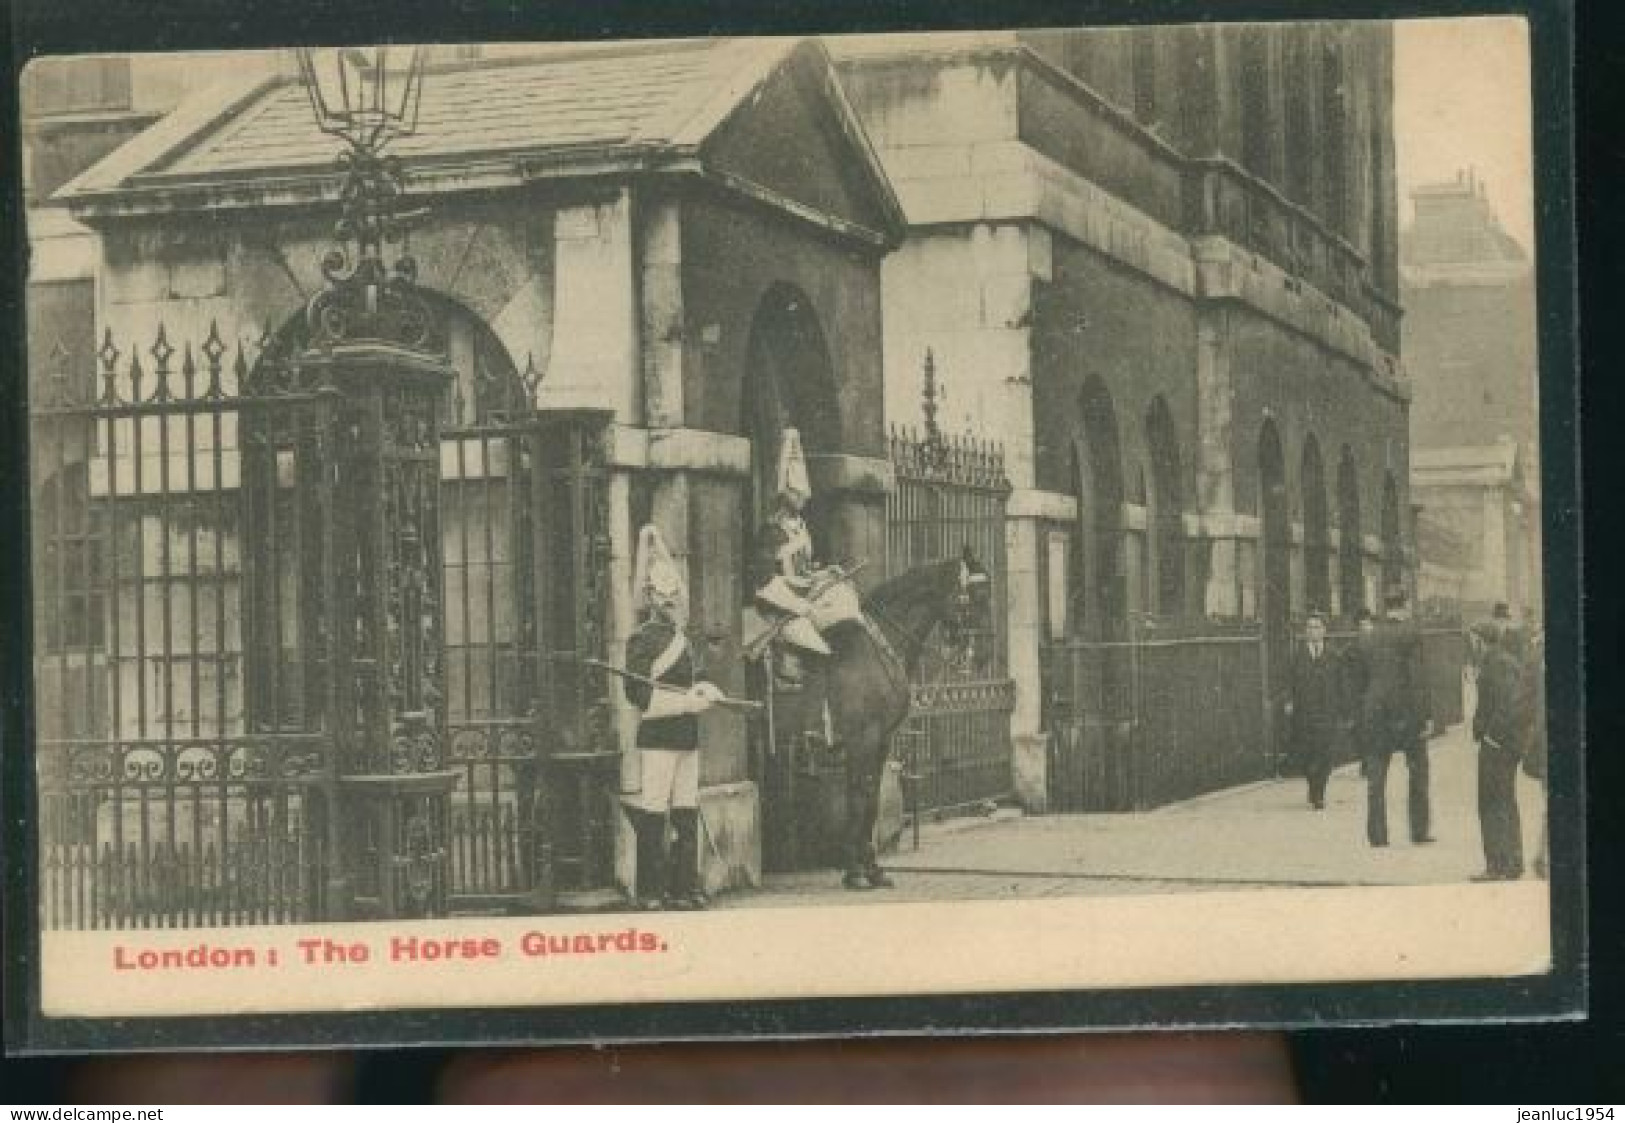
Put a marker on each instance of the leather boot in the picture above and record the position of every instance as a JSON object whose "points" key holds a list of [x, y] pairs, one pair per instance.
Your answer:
{"points": [[649, 879], [685, 891]]}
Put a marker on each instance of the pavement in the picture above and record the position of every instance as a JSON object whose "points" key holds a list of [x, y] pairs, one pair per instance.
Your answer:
{"points": [[1259, 835]]}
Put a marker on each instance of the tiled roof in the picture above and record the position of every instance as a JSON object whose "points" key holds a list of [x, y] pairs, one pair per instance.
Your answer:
{"points": [[593, 100], [540, 111], [561, 99]]}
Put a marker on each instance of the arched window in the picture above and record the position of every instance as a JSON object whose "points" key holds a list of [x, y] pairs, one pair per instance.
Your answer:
{"points": [[1351, 579], [1316, 531], [1099, 592], [1275, 586], [1165, 521], [1393, 547]]}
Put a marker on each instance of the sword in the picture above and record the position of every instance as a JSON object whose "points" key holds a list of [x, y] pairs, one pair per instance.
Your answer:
{"points": [[743, 705]]}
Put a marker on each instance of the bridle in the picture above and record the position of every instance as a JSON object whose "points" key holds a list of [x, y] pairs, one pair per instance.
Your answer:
{"points": [[956, 620]]}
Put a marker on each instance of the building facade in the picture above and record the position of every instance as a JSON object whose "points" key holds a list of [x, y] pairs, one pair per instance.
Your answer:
{"points": [[684, 239], [1160, 266], [1469, 295], [1152, 273]]}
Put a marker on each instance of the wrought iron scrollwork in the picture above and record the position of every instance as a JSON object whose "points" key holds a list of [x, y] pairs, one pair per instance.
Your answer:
{"points": [[420, 858], [365, 299]]}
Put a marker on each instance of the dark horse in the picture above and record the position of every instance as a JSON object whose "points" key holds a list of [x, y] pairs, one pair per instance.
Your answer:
{"points": [[868, 675]]}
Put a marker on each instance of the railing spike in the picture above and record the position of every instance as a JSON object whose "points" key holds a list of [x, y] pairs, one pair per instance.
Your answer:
{"points": [[161, 352], [188, 371], [136, 375]]}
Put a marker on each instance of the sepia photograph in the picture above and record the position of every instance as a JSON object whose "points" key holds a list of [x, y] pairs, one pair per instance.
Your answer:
{"points": [[696, 520]]}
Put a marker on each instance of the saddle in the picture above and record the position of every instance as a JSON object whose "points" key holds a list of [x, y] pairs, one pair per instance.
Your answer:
{"points": [[800, 620]]}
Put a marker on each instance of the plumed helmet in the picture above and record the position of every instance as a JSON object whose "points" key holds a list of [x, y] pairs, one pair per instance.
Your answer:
{"points": [[792, 477]]}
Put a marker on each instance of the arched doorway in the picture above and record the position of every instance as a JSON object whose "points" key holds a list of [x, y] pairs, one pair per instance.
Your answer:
{"points": [[1275, 575], [1166, 516], [1317, 559], [789, 382], [1350, 545], [1089, 704]]}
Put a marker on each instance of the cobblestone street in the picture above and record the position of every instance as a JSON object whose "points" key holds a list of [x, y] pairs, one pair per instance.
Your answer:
{"points": [[1259, 835]]}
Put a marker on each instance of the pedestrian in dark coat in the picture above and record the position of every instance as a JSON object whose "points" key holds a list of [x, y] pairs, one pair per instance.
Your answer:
{"points": [[1355, 676], [1395, 718], [1499, 730], [1315, 707]]}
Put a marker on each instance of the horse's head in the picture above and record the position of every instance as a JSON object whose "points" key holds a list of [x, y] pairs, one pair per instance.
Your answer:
{"points": [[970, 610]]}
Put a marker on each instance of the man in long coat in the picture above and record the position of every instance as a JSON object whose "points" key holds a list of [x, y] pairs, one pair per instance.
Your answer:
{"points": [[1500, 730], [1316, 708], [1395, 717]]}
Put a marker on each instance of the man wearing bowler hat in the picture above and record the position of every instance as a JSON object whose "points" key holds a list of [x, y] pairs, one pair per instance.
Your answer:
{"points": [[1394, 718]]}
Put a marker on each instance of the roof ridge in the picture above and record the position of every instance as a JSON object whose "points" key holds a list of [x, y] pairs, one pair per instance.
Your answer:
{"points": [[744, 65]]}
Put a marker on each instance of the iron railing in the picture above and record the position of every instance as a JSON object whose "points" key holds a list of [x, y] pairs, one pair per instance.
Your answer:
{"points": [[950, 493]]}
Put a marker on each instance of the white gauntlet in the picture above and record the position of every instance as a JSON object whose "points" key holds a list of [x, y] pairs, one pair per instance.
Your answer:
{"points": [[675, 703], [669, 703]]}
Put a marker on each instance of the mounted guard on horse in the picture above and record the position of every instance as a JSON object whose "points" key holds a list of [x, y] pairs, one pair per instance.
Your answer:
{"points": [[798, 620], [796, 597]]}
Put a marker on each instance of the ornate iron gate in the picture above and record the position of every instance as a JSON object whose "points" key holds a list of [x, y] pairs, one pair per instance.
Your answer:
{"points": [[950, 493], [220, 741], [173, 792], [531, 734]]}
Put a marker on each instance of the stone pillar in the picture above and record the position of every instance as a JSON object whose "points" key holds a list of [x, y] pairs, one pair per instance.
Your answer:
{"points": [[595, 354], [853, 490], [379, 546]]}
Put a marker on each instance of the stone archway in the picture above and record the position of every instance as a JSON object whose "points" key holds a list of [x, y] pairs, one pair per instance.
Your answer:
{"points": [[790, 382], [1317, 574], [1166, 524], [1393, 547], [1098, 584], [508, 568]]}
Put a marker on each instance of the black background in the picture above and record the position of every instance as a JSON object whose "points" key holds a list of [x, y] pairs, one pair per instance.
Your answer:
{"points": [[1567, 1064]]}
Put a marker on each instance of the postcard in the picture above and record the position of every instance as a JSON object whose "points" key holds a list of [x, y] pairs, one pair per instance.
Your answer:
{"points": [[538, 530]]}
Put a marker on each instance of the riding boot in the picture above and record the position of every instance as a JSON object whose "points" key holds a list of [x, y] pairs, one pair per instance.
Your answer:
{"points": [[685, 891], [649, 880]]}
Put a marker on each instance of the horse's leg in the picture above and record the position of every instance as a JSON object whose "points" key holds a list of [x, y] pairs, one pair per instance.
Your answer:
{"points": [[878, 878], [865, 763]]}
